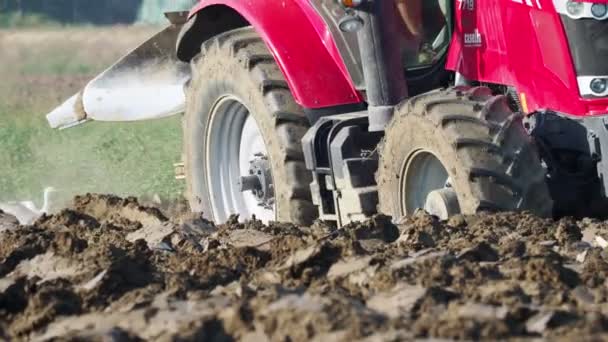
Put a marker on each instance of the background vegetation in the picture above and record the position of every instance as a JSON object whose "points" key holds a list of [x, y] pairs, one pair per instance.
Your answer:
{"points": [[19, 13], [41, 67]]}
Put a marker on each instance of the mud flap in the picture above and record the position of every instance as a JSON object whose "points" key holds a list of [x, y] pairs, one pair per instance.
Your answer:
{"points": [[145, 84]]}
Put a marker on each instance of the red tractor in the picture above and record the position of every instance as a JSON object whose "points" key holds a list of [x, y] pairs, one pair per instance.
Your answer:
{"points": [[304, 109]]}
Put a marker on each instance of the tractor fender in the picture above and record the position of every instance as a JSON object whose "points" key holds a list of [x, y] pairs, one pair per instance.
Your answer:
{"points": [[297, 37]]}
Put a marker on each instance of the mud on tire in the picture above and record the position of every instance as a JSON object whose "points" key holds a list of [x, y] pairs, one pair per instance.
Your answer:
{"points": [[237, 63], [492, 162]]}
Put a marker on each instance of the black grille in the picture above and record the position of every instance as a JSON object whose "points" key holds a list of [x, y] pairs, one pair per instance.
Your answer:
{"points": [[588, 39]]}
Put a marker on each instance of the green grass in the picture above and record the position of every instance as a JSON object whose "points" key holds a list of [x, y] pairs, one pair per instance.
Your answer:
{"points": [[121, 158], [57, 66], [126, 159]]}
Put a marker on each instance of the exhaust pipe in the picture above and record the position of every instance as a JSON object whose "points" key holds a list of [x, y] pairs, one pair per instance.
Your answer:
{"points": [[381, 61]]}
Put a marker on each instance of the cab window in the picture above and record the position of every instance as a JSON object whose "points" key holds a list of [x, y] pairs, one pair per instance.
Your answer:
{"points": [[425, 31]]}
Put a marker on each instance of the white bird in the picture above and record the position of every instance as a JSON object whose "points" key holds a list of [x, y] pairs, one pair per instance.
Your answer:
{"points": [[26, 211]]}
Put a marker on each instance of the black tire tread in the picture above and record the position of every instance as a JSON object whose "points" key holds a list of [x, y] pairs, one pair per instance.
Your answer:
{"points": [[286, 117], [488, 141]]}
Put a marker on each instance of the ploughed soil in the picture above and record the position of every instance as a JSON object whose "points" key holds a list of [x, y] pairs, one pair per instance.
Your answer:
{"points": [[110, 269]]}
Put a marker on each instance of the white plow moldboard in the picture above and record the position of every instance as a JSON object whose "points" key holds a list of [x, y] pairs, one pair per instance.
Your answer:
{"points": [[145, 84]]}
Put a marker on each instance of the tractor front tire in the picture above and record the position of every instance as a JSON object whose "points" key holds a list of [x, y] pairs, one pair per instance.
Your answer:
{"points": [[237, 66], [490, 161]]}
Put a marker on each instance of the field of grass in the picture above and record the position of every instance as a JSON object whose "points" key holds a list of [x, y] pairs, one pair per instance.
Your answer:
{"points": [[39, 68]]}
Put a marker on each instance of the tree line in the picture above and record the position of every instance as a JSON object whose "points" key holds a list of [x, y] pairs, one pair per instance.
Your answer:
{"points": [[99, 12]]}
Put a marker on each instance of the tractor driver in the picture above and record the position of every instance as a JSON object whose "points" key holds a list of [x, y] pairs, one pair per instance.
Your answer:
{"points": [[410, 12], [420, 22]]}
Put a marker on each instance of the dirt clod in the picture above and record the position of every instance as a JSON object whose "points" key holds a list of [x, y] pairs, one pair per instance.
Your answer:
{"points": [[111, 269]]}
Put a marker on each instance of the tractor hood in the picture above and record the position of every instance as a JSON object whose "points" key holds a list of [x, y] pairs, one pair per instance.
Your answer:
{"points": [[147, 83]]}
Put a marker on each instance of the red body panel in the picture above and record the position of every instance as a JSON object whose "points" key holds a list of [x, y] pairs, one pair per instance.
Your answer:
{"points": [[302, 46], [520, 43]]}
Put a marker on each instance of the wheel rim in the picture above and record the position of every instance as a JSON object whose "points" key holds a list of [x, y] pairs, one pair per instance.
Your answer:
{"points": [[426, 185], [234, 143]]}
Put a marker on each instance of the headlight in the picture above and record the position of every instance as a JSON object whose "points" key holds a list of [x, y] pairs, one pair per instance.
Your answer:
{"points": [[351, 23], [575, 9], [579, 10], [599, 10], [593, 86], [599, 85]]}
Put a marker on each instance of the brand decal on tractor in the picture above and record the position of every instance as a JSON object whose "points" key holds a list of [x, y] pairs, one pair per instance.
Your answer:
{"points": [[468, 5], [473, 39]]}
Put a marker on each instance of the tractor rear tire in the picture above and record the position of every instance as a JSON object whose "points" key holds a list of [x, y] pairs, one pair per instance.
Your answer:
{"points": [[490, 161], [237, 65]]}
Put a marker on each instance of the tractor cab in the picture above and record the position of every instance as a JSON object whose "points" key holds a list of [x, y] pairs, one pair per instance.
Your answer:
{"points": [[416, 38]]}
